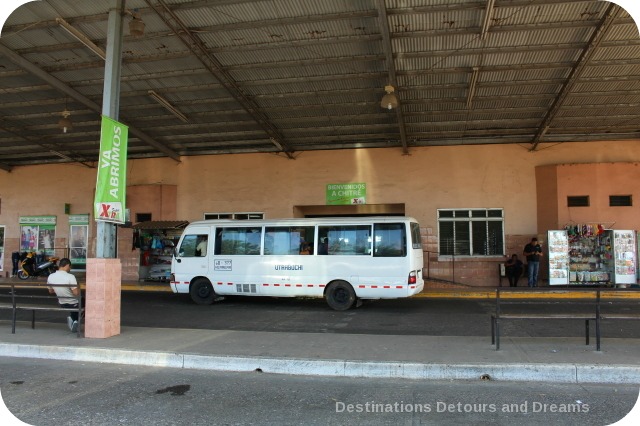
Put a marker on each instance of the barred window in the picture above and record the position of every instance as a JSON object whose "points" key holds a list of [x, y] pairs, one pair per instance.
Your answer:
{"points": [[620, 201], [578, 201], [471, 232]]}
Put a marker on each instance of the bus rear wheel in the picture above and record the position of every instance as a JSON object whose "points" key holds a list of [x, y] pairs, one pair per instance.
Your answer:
{"points": [[340, 296], [201, 292]]}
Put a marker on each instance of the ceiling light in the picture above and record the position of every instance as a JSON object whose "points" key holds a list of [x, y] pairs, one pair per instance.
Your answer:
{"points": [[472, 86], [390, 100], [81, 37], [165, 103], [65, 123], [136, 25], [486, 20]]}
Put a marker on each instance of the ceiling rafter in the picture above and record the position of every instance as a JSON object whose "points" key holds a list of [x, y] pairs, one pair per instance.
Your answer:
{"points": [[79, 97], [218, 71], [598, 35], [18, 132]]}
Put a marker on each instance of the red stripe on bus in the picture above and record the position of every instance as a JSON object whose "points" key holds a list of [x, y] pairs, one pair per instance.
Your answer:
{"points": [[387, 286], [276, 285], [298, 285], [287, 285], [398, 286], [309, 285], [229, 283], [361, 286], [220, 283], [266, 285], [374, 286], [322, 285]]}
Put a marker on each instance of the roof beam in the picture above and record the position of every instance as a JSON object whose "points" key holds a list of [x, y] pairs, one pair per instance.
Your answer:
{"points": [[391, 68], [79, 97], [587, 53], [217, 70], [19, 133]]}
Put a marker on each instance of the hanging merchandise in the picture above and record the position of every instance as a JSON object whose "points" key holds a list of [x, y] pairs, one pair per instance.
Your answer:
{"points": [[596, 255]]}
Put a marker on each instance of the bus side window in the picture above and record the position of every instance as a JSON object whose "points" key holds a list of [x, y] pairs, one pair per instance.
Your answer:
{"points": [[238, 241], [346, 240], [189, 245], [390, 240], [288, 240], [218, 242]]}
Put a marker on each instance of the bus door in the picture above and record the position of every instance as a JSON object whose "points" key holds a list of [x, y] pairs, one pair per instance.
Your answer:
{"points": [[191, 258]]}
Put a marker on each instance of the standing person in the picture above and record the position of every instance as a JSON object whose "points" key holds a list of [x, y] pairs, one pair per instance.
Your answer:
{"points": [[513, 269], [67, 296], [533, 252], [15, 263]]}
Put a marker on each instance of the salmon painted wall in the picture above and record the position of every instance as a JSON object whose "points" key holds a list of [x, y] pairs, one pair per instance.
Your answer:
{"points": [[598, 182], [158, 200], [484, 176]]}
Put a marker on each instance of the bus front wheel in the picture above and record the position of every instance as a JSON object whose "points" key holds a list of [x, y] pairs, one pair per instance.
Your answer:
{"points": [[340, 296], [201, 292]]}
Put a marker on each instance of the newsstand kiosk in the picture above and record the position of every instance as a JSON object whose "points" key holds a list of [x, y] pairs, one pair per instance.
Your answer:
{"points": [[590, 255]]}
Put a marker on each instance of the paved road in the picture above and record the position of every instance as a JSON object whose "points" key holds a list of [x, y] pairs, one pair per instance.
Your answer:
{"points": [[416, 316], [46, 392]]}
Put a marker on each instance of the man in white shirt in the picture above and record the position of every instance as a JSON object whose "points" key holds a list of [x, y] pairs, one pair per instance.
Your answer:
{"points": [[67, 296], [202, 246]]}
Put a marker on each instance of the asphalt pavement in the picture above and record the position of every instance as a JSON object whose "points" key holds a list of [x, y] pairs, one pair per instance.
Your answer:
{"points": [[356, 353]]}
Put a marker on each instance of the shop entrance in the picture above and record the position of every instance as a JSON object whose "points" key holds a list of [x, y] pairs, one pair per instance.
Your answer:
{"points": [[349, 210]]}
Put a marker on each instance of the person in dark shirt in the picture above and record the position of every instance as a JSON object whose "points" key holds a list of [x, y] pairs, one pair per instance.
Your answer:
{"points": [[513, 269], [533, 252]]}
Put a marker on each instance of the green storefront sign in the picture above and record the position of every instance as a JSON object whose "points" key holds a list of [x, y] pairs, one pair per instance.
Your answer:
{"points": [[111, 183], [346, 193]]}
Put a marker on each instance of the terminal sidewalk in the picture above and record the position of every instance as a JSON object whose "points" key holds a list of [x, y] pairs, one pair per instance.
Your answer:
{"points": [[566, 360], [333, 354]]}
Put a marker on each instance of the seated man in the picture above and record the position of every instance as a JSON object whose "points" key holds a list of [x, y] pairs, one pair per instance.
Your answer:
{"points": [[513, 269], [67, 296]]}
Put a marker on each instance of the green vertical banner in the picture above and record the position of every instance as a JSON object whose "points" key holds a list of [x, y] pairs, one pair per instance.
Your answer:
{"points": [[111, 184]]}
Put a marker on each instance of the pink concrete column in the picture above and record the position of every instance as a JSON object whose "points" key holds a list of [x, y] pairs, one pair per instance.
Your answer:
{"points": [[102, 314]]}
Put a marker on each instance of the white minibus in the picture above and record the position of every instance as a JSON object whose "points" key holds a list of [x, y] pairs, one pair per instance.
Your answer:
{"points": [[340, 259]]}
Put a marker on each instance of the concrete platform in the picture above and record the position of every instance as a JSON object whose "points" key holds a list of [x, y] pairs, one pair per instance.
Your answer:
{"points": [[565, 360], [417, 357]]}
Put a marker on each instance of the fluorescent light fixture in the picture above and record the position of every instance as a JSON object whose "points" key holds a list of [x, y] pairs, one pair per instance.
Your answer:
{"points": [[276, 143], [61, 155], [81, 37], [165, 103], [472, 86], [486, 20]]}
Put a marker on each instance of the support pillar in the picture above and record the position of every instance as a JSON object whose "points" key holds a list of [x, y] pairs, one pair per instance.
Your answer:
{"points": [[104, 273], [102, 313]]}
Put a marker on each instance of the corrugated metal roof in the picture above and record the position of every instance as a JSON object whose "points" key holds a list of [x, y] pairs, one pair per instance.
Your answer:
{"points": [[310, 74]]}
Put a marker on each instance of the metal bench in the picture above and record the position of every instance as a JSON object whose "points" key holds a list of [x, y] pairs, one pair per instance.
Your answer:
{"points": [[612, 297], [28, 302], [516, 300]]}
